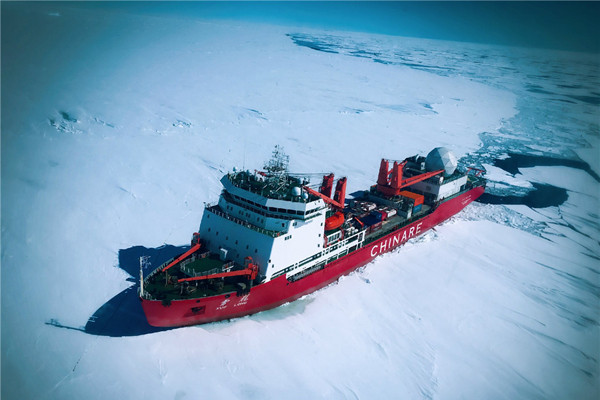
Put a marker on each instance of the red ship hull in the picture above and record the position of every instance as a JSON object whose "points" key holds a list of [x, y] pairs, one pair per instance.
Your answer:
{"points": [[280, 291]]}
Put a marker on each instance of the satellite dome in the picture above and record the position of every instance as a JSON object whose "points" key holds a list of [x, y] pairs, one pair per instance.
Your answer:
{"points": [[296, 191], [441, 158]]}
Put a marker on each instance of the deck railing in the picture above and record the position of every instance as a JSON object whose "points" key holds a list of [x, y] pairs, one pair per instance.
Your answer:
{"points": [[192, 272], [258, 229]]}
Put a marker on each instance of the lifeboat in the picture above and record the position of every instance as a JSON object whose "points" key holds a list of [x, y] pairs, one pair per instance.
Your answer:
{"points": [[335, 221]]}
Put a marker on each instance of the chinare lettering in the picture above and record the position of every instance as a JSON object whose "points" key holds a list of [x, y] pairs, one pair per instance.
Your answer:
{"points": [[396, 240]]}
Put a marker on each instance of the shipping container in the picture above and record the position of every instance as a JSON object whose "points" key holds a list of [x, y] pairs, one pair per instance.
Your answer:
{"points": [[370, 220], [379, 215], [417, 208], [370, 206], [417, 198], [376, 227]]}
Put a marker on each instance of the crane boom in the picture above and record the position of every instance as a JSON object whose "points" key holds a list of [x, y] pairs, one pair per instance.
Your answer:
{"points": [[191, 251], [251, 271], [326, 199]]}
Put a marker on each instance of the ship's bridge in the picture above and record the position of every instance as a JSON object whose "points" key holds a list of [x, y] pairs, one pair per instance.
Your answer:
{"points": [[284, 200], [275, 226]]}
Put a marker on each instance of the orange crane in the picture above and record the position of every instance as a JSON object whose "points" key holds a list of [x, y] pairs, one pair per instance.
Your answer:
{"points": [[390, 181], [326, 199], [195, 247], [251, 271], [324, 193]]}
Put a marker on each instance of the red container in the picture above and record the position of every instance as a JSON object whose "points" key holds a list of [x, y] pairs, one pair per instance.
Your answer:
{"points": [[376, 227]]}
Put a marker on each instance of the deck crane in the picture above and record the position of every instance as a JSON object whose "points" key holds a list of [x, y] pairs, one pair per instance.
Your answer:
{"points": [[390, 181]]}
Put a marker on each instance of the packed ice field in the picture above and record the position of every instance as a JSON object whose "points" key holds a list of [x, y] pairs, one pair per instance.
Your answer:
{"points": [[117, 128]]}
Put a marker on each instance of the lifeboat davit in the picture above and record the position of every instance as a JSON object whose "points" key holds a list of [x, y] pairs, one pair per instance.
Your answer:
{"points": [[335, 221]]}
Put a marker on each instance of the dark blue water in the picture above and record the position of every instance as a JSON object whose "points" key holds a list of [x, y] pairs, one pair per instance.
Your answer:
{"points": [[543, 195]]}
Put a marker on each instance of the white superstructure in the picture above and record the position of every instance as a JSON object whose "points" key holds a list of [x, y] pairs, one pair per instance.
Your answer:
{"points": [[441, 187], [281, 235]]}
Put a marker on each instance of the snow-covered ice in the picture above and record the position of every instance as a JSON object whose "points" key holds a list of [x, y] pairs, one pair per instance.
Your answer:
{"points": [[117, 128]]}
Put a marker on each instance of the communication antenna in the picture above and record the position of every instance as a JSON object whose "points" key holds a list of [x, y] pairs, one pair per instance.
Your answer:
{"points": [[277, 168], [143, 261]]}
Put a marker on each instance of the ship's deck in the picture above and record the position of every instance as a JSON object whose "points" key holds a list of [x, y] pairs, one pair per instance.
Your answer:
{"points": [[394, 223], [164, 286]]}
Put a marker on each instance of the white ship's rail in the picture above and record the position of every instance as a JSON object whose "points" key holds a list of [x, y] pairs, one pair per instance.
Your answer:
{"points": [[273, 212], [318, 260], [191, 272], [246, 224]]}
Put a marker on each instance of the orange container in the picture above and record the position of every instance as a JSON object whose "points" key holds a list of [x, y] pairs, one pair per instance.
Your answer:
{"points": [[418, 198]]}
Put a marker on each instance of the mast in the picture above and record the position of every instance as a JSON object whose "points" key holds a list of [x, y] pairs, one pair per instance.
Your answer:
{"points": [[277, 169], [143, 260]]}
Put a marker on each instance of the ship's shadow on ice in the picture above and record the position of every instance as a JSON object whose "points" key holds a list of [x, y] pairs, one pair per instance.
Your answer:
{"points": [[123, 314]]}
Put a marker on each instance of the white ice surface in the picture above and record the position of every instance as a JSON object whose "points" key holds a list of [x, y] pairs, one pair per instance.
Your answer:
{"points": [[497, 175], [479, 308]]}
